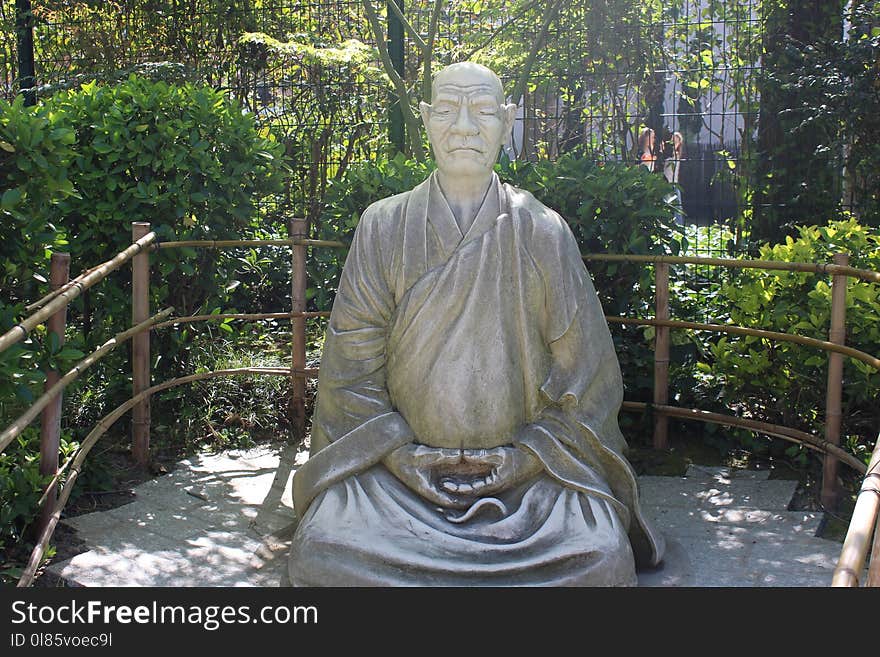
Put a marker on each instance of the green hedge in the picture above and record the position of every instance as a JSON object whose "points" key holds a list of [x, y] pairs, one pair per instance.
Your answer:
{"points": [[785, 382]]}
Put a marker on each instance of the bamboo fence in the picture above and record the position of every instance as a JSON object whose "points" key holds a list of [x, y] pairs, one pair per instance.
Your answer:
{"points": [[143, 240]]}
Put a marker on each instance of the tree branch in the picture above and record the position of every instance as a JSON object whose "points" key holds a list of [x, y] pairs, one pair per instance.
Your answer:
{"points": [[519, 89], [428, 52], [399, 85], [501, 28]]}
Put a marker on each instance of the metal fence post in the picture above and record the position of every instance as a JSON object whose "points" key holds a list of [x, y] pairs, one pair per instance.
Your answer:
{"points": [[834, 391], [298, 330], [396, 129], [140, 360], [50, 418], [661, 356], [24, 25]]}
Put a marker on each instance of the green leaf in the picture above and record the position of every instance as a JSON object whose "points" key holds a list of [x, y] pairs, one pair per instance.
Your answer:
{"points": [[10, 198]]}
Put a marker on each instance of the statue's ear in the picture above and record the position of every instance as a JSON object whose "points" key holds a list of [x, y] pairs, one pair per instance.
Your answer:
{"points": [[425, 111], [509, 112]]}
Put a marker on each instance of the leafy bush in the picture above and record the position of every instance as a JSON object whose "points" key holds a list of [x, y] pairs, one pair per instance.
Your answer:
{"points": [[784, 382], [82, 167], [185, 158], [21, 486], [35, 152]]}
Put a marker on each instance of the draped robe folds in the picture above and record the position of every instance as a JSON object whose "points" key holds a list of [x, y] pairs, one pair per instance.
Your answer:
{"points": [[495, 337]]}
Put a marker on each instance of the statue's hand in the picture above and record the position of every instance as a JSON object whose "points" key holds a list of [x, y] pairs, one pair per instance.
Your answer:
{"points": [[512, 466], [456, 478], [415, 465]]}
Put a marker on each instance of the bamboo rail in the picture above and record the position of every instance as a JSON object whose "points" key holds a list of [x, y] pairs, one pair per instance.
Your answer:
{"points": [[298, 372], [858, 536], [9, 434], [36, 305], [779, 431], [874, 569], [773, 265], [18, 332], [232, 244], [758, 333], [246, 316]]}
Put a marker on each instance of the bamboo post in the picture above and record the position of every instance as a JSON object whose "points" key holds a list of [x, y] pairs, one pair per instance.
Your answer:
{"points": [[50, 418], [140, 361], [834, 390], [298, 330], [661, 356]]}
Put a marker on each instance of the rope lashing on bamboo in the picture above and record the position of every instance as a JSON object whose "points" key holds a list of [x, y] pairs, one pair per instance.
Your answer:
{"points": [[23, 328]]}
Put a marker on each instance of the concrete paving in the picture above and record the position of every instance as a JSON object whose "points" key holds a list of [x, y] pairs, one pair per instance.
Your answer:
{"points": [[226, 520]]}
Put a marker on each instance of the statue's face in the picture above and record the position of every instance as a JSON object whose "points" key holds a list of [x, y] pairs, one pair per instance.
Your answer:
{"points": [[467, 120]]}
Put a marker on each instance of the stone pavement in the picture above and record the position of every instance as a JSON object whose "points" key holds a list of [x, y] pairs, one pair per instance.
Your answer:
{"points": [[226, 520]]}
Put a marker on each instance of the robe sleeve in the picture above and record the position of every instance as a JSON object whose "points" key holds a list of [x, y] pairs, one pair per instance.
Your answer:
{"points": [[576, 436], [354, 424]]}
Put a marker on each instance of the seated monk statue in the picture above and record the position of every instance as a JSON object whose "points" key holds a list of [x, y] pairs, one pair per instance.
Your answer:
{"points": [[465, 430]]}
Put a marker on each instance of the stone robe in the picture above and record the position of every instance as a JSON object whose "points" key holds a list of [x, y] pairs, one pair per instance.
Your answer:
{"points": [[495, 337]]}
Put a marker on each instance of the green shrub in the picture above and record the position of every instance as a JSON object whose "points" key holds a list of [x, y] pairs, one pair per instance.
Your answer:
{"points": [[785, 382], [35, 152], [21, 486], [87, 163], [185, 158]]}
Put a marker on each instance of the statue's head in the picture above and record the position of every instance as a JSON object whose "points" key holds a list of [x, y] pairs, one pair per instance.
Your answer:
{"points": [[467, 120]]}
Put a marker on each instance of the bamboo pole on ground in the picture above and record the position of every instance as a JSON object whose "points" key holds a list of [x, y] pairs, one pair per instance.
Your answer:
{"points": [[834, 388], [298, 229], [22, 329], [50, 419], [855, 546], [661, 356], [140, 360]]}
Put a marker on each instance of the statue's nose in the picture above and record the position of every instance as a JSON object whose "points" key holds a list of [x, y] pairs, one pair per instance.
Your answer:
{"points": [[464, 123]]}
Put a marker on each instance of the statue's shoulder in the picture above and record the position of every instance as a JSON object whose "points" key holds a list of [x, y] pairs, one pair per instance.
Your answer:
{"points": [[544, 223], [386, 215]]}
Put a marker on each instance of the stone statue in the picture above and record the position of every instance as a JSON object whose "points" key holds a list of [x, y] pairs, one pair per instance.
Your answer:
{"points": [[465, 430]]}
